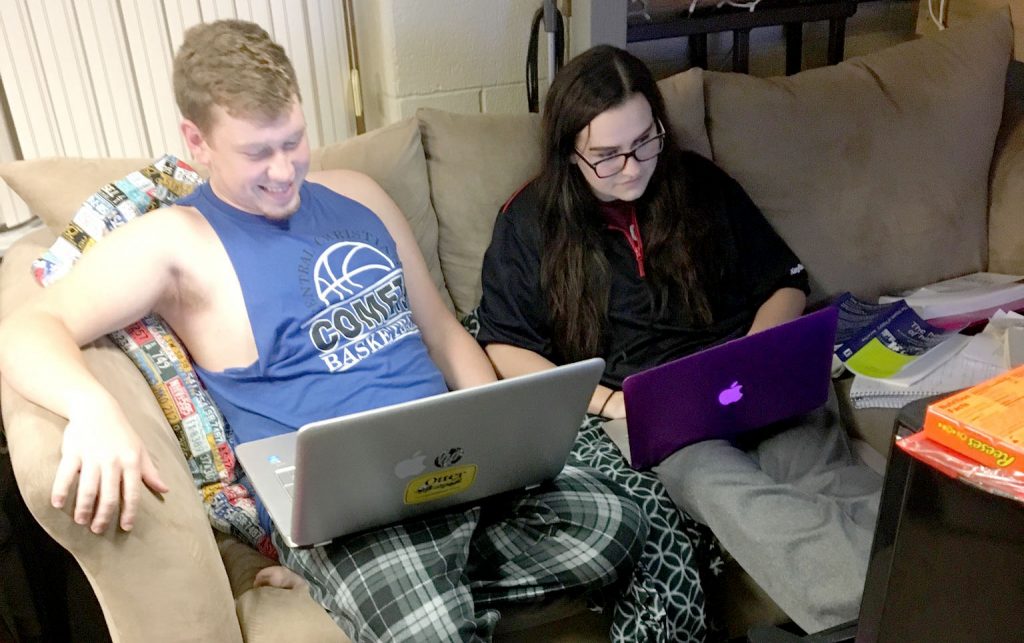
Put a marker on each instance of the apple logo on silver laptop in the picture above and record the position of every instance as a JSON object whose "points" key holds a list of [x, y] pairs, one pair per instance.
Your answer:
{"points": [[731, 395], [410, 466]]}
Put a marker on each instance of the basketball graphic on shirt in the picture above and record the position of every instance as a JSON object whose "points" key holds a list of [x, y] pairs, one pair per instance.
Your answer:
{"points": [[347, 268]]}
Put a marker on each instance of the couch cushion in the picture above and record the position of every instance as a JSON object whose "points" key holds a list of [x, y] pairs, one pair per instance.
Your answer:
{"points": [[871, 425], [269, 614], [393, 157], [476, 162], [874, 170], [684, 102]]}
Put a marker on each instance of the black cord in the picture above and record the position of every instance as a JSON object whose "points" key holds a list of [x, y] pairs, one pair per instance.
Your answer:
{"points": [[559, 41], [532, 74], [532, 91]]}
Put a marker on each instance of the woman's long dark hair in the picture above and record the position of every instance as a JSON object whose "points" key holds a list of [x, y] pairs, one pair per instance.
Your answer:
{"points": [[574, 271]]}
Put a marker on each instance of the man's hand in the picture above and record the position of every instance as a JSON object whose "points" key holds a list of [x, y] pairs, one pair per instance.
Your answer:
{"points": [[111, 462]]}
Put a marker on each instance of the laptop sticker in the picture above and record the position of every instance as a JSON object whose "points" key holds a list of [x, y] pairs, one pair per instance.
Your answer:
{"points": [[440, 484], [448, 458]]}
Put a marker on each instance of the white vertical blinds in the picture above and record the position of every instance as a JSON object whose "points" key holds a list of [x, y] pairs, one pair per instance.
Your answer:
{"points": [[92, 78]]}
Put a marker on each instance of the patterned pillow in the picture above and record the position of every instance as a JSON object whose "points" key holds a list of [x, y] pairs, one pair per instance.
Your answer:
{"points": [[159, 354]]}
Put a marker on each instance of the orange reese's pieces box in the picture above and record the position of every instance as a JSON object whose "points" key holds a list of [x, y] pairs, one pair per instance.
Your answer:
{"points": [[984, 422]]}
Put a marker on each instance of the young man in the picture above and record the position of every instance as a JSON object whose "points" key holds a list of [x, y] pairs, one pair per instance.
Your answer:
{"points": [[236, 270]]}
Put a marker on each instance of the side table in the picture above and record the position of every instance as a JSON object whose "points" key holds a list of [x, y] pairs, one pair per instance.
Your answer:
{"points": [[947, 558]]}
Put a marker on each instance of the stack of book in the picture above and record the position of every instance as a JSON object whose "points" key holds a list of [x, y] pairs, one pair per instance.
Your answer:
{"points": [[908, 346]]}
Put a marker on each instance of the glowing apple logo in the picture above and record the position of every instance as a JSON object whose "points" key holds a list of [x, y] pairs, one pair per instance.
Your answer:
{"points": [[411, 466], [731, 395]]}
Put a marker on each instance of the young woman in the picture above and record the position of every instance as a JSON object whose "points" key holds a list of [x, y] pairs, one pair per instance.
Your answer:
{"points": [[628, 248]]}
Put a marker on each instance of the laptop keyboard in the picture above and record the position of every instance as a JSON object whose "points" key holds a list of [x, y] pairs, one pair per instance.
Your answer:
{"points": [[287, 477]]}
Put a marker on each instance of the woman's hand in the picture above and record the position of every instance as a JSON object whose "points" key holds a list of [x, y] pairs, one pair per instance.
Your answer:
{"points": [[615, 407], [607, 403]]}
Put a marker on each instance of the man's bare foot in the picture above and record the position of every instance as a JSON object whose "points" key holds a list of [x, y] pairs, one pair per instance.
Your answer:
{"points": [[278, 576]]}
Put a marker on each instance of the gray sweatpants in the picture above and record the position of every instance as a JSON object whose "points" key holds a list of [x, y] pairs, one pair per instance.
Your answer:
{"points": [[797, 512]]}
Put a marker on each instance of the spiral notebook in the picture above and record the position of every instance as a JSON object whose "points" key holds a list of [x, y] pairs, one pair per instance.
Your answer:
{"points": [[956, 373]]}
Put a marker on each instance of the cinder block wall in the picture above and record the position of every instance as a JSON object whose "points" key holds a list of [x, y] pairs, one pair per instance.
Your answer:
{"points": [[458, 55]]}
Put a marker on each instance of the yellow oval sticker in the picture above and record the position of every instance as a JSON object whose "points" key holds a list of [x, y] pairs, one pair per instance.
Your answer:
{"points": [[440, 484]]}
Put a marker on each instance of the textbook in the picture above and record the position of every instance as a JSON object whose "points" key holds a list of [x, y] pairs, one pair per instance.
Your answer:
{"points": [[984, 422], [893, 339], [957, 363], [881, 341]]}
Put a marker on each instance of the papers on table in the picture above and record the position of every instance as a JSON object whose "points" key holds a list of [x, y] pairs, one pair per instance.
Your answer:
{"points": [[958, 302]]}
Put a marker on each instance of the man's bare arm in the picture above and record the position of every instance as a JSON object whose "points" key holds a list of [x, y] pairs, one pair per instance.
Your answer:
{"points": [[117, 282]]}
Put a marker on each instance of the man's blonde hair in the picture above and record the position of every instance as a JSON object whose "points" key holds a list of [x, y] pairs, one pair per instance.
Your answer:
{"points": [[233, 64]]}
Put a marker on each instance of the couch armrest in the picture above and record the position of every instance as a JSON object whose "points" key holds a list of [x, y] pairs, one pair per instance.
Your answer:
{"points": [[1006, 190], [166, 575]]}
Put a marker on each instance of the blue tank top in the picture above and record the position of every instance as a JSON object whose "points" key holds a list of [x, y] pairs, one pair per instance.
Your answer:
{"points": [[326, 299]]}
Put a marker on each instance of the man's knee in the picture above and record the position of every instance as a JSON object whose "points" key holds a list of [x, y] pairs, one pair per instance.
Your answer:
{"points": [[605, 515]]}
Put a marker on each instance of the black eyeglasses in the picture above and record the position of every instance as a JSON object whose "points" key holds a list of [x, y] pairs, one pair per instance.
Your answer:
{"points": [[612, 165]]}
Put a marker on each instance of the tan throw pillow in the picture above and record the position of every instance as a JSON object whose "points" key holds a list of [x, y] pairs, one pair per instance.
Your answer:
{"points": [[476, 162], [393, 157], [684, 102], [875, 170], [54, 188]]}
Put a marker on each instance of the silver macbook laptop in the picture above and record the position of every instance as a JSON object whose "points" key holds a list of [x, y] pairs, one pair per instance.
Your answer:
{"points": [[347, 474]]}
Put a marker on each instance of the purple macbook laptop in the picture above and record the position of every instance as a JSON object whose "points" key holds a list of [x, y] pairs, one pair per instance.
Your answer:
{"points": [[730, 389]]}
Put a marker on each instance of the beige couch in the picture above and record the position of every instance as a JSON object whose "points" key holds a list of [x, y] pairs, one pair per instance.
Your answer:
{"points": [[879, 172]]}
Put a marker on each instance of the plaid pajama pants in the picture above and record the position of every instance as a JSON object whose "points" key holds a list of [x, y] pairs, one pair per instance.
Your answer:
{"points": [[443, 577]]}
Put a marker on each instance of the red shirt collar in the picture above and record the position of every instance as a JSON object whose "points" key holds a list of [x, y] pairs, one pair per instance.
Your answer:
{"points": [[621, 216]]}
